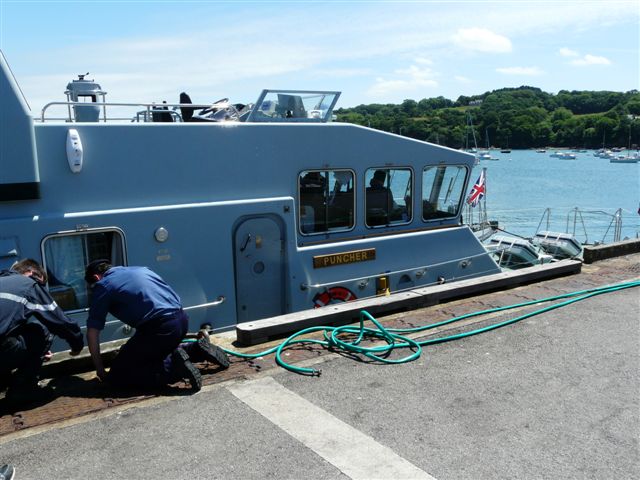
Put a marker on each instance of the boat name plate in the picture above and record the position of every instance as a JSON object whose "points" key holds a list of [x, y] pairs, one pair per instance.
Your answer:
{"points": [[343, 258]]}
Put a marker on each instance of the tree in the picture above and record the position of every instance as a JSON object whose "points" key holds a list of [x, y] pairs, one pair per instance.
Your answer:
{"points": [[410, 108], [520, 117]]}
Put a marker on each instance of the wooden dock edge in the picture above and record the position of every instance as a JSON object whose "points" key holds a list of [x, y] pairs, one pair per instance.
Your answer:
{"points": [[260, 331]]}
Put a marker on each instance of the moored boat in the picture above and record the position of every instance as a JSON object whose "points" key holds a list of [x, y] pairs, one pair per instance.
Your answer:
{"points": [[249, 211], [625, 159], [515, 253], [563, 155], [559, 245]]}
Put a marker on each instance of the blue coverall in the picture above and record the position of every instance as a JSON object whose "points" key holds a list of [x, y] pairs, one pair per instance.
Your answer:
{"points": [[141, 299], [28, 318]]}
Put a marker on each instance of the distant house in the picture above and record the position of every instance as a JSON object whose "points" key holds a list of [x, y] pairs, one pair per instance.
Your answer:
{"points": [[475, 103]]}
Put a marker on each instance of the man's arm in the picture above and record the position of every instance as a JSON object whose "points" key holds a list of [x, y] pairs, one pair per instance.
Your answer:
{"points": [[93, 342], [52, 317]]}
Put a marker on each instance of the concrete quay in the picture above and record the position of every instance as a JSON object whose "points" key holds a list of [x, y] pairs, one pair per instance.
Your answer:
{"points": [[554, 396]]}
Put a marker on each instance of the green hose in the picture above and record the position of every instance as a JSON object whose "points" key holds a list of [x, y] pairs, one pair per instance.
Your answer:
{"points": [[334, 337]]}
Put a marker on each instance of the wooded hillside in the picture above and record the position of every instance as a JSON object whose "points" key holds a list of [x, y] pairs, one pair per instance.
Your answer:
{"points": [[524, 117]]}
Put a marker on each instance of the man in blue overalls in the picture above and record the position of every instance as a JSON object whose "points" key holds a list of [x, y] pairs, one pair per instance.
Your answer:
{"points": [[28, 320], [152, 357]]}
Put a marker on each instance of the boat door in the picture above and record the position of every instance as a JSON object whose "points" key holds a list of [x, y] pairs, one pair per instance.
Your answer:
{"points": [[259, 254]]}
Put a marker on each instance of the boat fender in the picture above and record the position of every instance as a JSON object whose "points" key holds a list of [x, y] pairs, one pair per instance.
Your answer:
{"points": [[74, 150]]}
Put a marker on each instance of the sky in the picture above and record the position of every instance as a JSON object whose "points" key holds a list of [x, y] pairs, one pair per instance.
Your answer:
{"points": [[371, 51]]}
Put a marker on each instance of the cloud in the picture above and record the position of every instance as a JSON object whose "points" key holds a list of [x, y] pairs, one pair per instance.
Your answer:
{"points": [[567, 52], [481, 40], [423, 61], [584, 61], [461, 79], [415, 72], [526, 71], [590, 60], [407, 80], [241, 55], [343, 72]]}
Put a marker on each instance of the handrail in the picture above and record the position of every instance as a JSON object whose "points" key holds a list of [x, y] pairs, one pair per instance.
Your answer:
{"points": [[146, 114], [215, 303], [547, 212], [578, 218], [159, 107], [576, 212], [616, 221]]}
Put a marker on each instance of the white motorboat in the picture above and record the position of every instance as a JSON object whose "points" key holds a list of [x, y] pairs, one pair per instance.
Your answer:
{"points": [[563, 155]]}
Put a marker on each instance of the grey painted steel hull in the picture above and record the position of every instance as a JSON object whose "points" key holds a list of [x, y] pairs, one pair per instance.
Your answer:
{"points": [[214, 188]]}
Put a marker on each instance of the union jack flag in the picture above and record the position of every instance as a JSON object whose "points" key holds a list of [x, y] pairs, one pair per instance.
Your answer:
{"points": [[478, 191]]}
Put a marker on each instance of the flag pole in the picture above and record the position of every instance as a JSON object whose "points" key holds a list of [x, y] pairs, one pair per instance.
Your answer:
{"points": [[483, 210]]}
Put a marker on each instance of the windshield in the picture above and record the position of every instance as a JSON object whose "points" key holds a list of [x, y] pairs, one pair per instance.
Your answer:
{"points": [[294, 106]]}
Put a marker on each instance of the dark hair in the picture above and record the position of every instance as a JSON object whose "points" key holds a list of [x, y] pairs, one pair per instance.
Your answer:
{"points": [[380, 175], [29, 265], [379, 178], [97, 267]]}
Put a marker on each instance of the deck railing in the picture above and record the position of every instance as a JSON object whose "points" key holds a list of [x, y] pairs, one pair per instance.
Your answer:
{"points": [[143, 113], [575, 221]]}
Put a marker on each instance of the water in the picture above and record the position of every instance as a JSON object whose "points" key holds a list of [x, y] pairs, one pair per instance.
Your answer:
{"points": [[523, 183]]}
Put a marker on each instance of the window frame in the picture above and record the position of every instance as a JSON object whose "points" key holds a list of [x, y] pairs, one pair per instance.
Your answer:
{"points": [[462, 192], [70, 233], [299, 201], [413, 192]]}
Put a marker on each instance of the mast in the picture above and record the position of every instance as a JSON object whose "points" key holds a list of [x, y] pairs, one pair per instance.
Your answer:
{"points": [[473, 132]]}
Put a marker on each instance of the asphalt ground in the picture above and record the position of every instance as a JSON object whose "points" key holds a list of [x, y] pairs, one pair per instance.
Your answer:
{"points": [[554, 396]]}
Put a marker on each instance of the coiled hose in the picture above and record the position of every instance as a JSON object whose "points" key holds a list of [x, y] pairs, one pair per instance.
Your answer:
{"points": [[334, 337]]}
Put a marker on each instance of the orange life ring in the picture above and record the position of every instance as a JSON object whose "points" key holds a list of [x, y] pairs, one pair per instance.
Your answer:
{"points": [[340, 294]]}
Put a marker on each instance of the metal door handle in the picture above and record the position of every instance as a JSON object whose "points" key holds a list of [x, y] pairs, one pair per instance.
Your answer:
{"points": [[216, 302], [246, 242]]}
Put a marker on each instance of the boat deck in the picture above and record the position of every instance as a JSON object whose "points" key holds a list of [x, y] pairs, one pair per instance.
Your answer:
{"points": [[79, 395]]}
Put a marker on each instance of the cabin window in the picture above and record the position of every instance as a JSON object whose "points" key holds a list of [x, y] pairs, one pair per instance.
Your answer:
{"points": [[389, 196], [326, 201], [66, 256], [442, 190]]}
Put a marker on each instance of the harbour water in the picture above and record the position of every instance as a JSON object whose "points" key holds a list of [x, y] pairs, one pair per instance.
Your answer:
{"points": [[523, 183]]}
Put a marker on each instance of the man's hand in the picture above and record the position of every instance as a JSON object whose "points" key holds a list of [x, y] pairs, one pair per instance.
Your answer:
{"points": [[75, 353], [47, 356], [101, 374], [93, 342]]}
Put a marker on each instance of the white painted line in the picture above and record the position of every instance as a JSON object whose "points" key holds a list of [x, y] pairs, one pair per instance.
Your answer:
{"points": [[355, 454]]}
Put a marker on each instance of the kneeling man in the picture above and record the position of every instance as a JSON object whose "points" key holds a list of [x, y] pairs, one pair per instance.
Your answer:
{"points": [[152, 357]]}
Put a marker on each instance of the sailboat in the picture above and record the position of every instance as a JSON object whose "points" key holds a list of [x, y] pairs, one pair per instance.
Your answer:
{"points": [[486, 154], [473, 149], [628, 158], [604, 152], [506, 149]]}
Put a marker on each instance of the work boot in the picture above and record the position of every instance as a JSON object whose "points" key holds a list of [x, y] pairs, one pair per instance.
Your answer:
{"points": [[183, 368], [5, 381], [20, 396], [7, 472], [202, 350]]}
